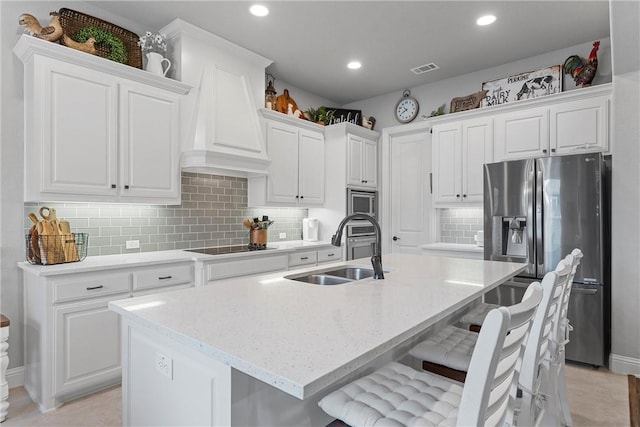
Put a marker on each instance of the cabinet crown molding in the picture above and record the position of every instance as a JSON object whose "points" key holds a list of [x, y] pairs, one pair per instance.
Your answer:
{"points": [[28, 46]]}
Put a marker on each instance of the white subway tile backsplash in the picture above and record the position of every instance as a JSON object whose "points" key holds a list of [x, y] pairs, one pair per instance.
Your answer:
{"points": [[211, 214], [459, 225]]}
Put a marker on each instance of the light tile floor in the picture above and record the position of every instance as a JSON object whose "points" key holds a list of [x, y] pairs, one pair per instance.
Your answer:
{"points": [[597, 398]]}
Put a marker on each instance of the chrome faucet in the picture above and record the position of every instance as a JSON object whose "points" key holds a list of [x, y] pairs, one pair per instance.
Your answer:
{"points": [[376, 258]]}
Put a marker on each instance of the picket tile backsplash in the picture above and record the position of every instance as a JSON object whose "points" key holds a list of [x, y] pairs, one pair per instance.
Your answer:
{"points": [[211, 214]]}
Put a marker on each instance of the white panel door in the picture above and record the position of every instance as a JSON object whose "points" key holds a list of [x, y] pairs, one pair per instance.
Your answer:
{"points": [[87, 345], [477, 149], [447, 163], [411, 203], [311, 172], [579, 126], [370, 160], [282, 146], [150, 145], [522, 135], [354, 160], [78, 149]]}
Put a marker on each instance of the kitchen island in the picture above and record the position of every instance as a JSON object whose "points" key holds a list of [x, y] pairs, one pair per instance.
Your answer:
{"points": [[263, 350]]}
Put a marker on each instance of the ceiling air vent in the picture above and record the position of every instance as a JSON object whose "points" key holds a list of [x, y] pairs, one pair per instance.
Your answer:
{"points": [[425, 68]]}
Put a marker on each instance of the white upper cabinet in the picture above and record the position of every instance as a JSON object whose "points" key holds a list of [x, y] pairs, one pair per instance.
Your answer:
{"points": [[296, 173], [522, 134], [96, 130], [580, 126], [460, 149], [362, 161], [574, 122], [224, 134]]}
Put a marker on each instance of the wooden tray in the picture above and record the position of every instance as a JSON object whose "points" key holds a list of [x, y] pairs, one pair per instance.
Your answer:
{"points": [[73, 21]]}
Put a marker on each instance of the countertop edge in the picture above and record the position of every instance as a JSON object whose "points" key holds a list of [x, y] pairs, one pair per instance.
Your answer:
{"points": [[141, 259]]}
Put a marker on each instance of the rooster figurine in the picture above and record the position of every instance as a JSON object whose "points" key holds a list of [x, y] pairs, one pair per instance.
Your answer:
{"points": [[32, 26], [583, 71]]}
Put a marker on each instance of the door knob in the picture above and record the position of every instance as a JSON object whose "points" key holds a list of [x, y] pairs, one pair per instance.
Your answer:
{"points": [[395, 238]]}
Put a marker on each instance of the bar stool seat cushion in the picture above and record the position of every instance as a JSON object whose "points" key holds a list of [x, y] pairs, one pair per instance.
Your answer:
{"points": [[477, 314], [450, 346], [396, 395]]}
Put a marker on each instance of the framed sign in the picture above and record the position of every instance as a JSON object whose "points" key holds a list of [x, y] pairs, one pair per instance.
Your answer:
{"points": [[533, 84], [341, 115]]}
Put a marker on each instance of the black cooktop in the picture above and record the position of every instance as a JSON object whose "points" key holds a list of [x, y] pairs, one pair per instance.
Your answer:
{"points": [[220, 250]]}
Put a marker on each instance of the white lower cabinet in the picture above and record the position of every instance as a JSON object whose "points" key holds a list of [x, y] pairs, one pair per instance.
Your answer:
{"points": [[72, 339], [266, 262], [87, 346]]}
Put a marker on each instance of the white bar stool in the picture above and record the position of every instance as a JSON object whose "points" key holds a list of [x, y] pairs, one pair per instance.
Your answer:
{"points": [[398, 395]]}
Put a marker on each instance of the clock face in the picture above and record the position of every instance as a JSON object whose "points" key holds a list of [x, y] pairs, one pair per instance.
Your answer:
{"points": [[407, 109]]}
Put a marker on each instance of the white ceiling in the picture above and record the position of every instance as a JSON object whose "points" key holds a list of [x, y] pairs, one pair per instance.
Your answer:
{"points": [[310, 42]]}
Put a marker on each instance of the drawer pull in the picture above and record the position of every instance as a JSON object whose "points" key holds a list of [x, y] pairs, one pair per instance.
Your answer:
{"points": [[330, 254], [91, 288], [164, 277], [304, 257]]}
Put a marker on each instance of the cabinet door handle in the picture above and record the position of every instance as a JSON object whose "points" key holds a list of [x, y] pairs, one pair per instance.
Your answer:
{"points": [[304, 258], [302, 197], [91, 288], [457, 196], [553, 150], [297, 197], [544, 151], [126, 187], [464, 195], [113, 186], [164, 277]]}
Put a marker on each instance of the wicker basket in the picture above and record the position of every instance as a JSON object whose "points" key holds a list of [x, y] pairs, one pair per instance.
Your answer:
{"points": [[73, 21], [57, 248]]}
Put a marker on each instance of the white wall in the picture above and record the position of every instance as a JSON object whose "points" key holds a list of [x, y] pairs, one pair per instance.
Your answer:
{"points": [[433, 95], [625, 291]]}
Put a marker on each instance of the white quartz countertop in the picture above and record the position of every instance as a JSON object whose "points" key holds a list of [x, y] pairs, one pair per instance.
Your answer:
{"points": [[452, 247], [106, 262], [300, 337]]}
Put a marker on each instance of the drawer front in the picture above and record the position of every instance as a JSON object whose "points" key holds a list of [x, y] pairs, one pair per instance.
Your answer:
{"points": [[245, 267], [303, 258], [90, 286], [166, 275], [329, 254]]}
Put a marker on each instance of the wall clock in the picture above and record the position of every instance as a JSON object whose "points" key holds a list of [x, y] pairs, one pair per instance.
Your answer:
{"points": [[407, 108]]}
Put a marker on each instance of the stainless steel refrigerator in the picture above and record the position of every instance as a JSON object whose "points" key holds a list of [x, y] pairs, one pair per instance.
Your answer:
{"points": [[537, 211]]}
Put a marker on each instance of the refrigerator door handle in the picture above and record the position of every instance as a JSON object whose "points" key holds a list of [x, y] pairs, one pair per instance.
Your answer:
{"points": [[530, 216], [539, 207]]}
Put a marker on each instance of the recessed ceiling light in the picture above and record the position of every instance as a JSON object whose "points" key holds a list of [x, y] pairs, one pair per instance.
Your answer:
{"points": [[259, 10], [486, 20], [354, 65]]}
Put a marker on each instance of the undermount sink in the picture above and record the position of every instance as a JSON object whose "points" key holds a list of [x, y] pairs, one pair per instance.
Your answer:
{"points": [[321, 279], [333, 276]]}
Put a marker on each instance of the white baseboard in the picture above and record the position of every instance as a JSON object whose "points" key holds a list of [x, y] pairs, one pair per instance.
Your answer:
{"points": [[15, 377], [624, 365]]}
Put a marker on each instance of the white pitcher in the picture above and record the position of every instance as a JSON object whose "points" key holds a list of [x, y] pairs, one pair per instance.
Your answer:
{"points": [[154, 64]]}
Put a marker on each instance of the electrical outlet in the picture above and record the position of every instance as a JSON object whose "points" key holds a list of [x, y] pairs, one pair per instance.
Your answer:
{"points": [[132, 244], [164, 365], [283, 235]]}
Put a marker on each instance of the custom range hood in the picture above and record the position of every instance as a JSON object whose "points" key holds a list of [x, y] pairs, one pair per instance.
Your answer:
{"points": [[224, 131]]}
